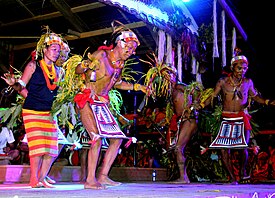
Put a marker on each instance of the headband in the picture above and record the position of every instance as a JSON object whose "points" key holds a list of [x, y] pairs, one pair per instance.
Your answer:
{"points": [[47, 39], [128, 36], [65, 47], [237, 58], [53, 38]]}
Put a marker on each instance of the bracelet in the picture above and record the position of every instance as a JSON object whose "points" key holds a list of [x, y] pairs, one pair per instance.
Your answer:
{"points": [[21, 83], [136, 87], [266, 102]]}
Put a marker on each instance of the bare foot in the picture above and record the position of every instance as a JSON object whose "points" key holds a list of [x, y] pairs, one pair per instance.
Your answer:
{"points": [[105, 180], [95, 186], [50, 180], [36, 185], [46, 184], [234, 183]]}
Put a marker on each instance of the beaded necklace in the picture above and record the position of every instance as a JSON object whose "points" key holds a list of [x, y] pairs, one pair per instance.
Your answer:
{"points": [[49, 75]]}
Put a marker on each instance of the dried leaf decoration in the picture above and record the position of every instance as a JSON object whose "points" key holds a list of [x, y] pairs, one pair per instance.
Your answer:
{"points": [[158, 78], [70, 85]]}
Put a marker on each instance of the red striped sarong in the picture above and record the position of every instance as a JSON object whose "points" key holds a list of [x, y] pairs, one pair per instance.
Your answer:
{"points": [[41, 133]]}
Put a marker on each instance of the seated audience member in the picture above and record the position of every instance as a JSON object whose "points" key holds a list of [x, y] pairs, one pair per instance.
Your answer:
{"points": [[8, 153]]}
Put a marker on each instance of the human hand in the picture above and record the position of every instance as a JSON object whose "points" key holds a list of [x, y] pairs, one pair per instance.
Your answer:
{"points": [[6, 149], [272, 102], [139, 87], [9, 78], [198, 106]]}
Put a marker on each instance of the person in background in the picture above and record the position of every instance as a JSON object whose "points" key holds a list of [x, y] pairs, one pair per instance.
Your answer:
{"points": [[235, 90], [38, 85], [187, 118], [64, 55], [8, 151], [101, 75]]}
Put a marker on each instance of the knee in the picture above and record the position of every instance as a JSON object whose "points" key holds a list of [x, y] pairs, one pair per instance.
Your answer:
{"points": [[96, 145], [116, 142]]}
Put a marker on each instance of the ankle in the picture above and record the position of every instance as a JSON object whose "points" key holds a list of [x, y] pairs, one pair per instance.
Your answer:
{"points": [[103, 175]]}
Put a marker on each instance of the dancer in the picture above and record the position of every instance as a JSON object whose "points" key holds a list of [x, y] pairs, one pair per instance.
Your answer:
{"points": [[38, 86], [235, 90], [64, 55], [187, 118], [102, 73]]}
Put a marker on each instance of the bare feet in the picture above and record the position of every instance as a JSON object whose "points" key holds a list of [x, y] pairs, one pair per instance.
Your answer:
{"points": [[95, 186], [36, 185], [46, 184], [49, 180], [105, 180]]}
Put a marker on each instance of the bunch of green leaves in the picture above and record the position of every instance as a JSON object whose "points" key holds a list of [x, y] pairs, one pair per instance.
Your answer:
{"points": [[209, 121], [12, 116], [72, 83], [128, 73]]}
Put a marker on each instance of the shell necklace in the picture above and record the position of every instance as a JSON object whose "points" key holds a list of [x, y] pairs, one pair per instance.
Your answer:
{"points": [[50, 77], [237, 93]]}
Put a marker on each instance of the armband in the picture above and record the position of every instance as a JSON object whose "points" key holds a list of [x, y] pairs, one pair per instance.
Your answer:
{"points": [[136, 87], [119, 82], [267, 102]]}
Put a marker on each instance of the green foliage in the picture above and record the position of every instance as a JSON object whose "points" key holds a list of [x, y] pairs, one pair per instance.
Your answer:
{"points": [[209, 121], [13, 115]]}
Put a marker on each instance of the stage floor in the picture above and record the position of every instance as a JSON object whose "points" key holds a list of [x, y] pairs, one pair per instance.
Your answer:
{"points": [[142, 190]]}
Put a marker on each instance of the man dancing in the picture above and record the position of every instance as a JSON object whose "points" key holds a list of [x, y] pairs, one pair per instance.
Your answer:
{"points": [[102, 73], [235, 91]]}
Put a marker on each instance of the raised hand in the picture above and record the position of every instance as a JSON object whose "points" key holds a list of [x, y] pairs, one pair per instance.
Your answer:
{"points": [[9, 78]]}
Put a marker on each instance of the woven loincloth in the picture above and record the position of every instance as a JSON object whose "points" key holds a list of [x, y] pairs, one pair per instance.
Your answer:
{"points": [[231, 134], [106, 123]]}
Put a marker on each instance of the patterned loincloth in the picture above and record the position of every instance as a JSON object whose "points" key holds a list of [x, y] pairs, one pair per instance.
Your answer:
{"points": [[231, 134], [106, 123]]}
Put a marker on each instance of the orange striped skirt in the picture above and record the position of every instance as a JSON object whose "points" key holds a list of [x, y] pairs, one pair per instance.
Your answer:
{"points": [[41, 133]]}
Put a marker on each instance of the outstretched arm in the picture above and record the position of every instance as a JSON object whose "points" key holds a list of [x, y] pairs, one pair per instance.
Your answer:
{"points": [[216, 92], [129, 86], [258, 98]]}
